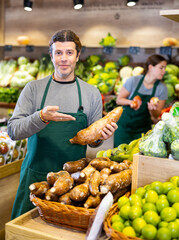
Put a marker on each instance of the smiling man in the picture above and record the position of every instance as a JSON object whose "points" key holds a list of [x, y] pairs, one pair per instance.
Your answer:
{"points": [[49, 112]]}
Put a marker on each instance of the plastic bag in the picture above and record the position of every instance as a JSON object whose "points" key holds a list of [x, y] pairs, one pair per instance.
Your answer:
{"points": [[153, 145]]}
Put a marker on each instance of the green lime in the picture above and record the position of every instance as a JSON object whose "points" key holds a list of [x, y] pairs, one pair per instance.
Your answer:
{"points": [[127, 223], [151, 196], [135, 200], [140, 191], [168, 214], [173, 196], [174, 180], [122, 201], [119, 226], [149, 206], [162, 196], [163, 234], [158, 187], [161, 204], [138, 224], [176, 207], [174, 229], [151, 217], [124, 211], [167, 186], [163, 224], [117, 218], [129, 231], [135, 212], [149, 232]]}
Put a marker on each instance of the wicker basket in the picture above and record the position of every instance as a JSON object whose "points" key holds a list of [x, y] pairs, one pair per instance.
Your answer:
{"points": [[110, 232], [61, 214]]}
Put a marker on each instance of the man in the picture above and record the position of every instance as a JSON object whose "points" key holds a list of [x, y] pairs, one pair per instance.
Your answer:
{"points": [[49, 112]]}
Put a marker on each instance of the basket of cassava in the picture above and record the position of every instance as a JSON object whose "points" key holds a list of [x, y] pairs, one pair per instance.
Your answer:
{"points": [[69, 197]]}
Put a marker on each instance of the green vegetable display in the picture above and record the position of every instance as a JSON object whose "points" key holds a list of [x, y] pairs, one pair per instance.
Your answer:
{"points": [[175, 149]]}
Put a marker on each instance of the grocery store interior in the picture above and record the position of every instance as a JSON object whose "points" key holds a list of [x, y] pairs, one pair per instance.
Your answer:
{"points": [[117, 37]]}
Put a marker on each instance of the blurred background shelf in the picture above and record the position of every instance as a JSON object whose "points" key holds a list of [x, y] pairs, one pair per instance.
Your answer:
{"points": [[7, 105], [171, 14]]}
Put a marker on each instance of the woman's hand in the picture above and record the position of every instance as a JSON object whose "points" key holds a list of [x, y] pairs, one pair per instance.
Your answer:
{"points": [[109, 130], [155, 109], [50, 113]]}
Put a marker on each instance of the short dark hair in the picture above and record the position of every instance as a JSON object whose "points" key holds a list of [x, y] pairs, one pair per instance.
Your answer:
{"points": [[154, 60], [65, 36]]}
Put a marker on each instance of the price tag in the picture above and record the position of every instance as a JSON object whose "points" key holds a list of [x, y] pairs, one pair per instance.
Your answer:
{"points": [[134, 50], [108, 49], [29, 48], [83, 49], [166, 50], [8, 48]]}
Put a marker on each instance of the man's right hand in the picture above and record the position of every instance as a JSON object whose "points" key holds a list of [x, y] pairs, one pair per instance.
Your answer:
{"points": [[49, 113]]}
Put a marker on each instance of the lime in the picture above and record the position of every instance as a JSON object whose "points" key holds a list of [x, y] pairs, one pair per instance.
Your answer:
{"points": [[162, 196], [157, 186], [161, 204], [135, 212], [176, 207], [151, 217], [124, 211], [173, 196], [129, 231], [135, 200], [163, 234], [122, 201], [140, 191], [163, 224], [127, 223], [117, 218], [151, 196], [168, 214], [174, 229], [149, 232], [149, 206], [138, 224], [167, 186], [119, 226], [147, 187], [175, 180]]}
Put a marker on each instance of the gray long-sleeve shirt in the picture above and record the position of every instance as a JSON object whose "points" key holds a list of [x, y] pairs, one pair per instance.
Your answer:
{"points": [[26, 118]]}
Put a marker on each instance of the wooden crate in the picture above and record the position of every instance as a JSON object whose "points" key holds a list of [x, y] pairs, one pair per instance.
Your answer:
{"points": [[9, 181], [30, 226], [149, 169]]}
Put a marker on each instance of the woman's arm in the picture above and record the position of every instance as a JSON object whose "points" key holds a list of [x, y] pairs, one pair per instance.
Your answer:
{"points": [[122, 98]]}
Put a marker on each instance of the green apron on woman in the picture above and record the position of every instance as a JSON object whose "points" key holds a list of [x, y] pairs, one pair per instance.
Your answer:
{"points": [[47, 151], [133, 123]]}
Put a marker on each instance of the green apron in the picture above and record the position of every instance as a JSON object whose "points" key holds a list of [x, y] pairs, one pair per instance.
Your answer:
{"points": [[47, 151], [133, 123]]}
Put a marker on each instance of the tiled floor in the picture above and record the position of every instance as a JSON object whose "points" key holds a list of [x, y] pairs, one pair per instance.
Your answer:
{"points": [[91, 152]]}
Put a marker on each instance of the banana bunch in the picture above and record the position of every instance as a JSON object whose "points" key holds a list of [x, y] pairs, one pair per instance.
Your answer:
{"points": [[122, 152]]}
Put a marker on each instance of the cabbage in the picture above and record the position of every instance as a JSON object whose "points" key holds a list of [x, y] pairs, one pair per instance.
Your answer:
{"points": [[22, 60], [137, 71], [125, 72]]}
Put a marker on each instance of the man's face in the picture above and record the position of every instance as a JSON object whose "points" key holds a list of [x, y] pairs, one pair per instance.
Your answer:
{"points": [[64, 58]]}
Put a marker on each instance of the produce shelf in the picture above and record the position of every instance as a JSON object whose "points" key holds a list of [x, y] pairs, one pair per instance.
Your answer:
{"points": [[7, 105], [170, 14]]}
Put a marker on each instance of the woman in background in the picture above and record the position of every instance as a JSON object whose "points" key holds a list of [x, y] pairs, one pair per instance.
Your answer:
{"points": [[136, 120]]}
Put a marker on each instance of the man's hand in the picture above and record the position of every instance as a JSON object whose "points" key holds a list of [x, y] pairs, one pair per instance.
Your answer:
{"points": [[109, 130], [50, 113]]}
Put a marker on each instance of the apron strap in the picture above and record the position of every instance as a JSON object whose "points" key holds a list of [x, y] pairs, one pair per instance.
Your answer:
{"points": [[137, 88], [45, 93], [80, 109]]}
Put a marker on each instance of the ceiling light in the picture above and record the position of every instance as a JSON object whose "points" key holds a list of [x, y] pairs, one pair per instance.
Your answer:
{"points": [[78, 4], [28, 5], [131, 3]]}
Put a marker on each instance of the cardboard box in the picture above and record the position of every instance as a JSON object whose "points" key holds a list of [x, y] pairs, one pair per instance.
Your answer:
{"points": [[149, 169]]}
